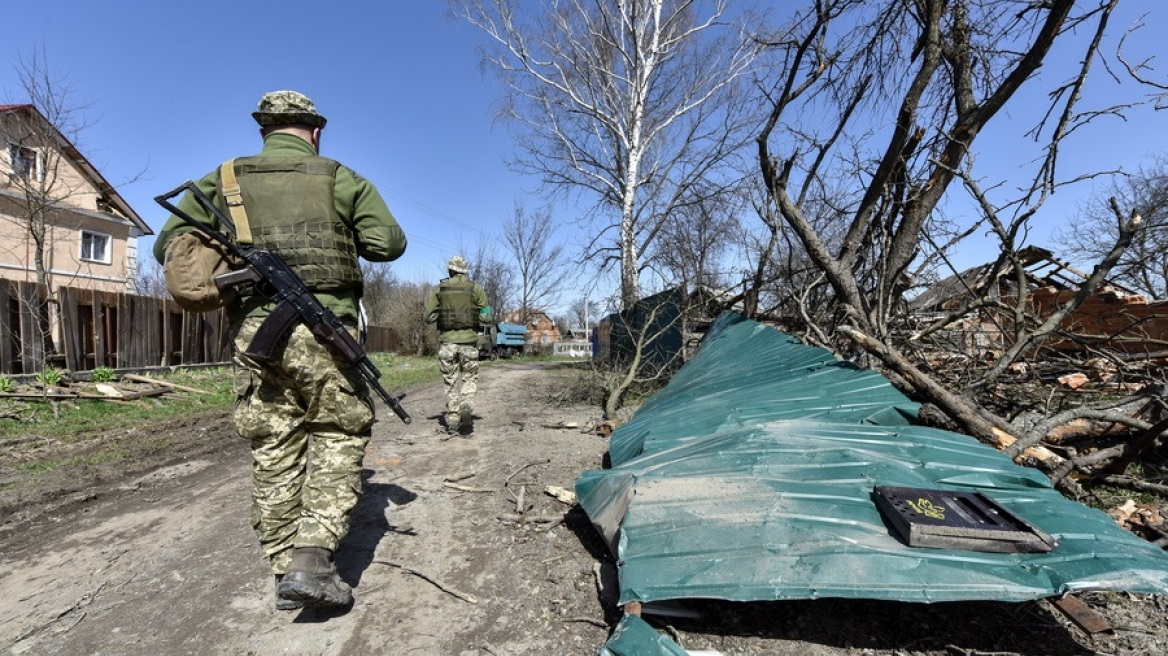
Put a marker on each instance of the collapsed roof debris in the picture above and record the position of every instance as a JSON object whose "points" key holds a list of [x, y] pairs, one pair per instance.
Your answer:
{"points": [[750, 477]]}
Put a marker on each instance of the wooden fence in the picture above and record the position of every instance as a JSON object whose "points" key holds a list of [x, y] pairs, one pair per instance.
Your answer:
{"points": [[106, 329]]}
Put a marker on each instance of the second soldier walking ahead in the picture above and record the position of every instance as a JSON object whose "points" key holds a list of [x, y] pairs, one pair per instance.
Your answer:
{"points": [[459, 307]]}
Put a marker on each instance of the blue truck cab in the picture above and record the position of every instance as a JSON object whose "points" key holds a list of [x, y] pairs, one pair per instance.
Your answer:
{"points": [[502, 340]]}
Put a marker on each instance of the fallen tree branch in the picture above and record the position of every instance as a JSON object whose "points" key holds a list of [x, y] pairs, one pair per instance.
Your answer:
{"points": [[534, 519], [1126, 452], [1133, 483], [587, 620], [530, 464], [464, 488], [422, 575], [154, 381]]}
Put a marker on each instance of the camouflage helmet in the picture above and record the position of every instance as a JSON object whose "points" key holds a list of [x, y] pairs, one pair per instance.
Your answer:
{"points": [[457, 264], [287, 108]]}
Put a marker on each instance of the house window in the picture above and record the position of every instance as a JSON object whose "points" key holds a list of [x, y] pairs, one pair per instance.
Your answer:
{"points": [[95, 247], [24, 161]]}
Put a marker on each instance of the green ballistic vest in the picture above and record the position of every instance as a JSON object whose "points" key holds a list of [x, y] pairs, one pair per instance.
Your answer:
{"points": [[457, 309], [290, 207]]}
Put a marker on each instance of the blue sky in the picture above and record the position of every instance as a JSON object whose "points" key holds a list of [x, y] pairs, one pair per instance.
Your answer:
{"points": [[170, 88]]}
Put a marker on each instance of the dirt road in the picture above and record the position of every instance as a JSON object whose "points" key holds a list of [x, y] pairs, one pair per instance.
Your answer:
{"points": [[161, 560], [166, 562]]}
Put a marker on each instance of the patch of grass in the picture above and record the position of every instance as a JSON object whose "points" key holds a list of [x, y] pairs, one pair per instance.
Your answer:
{"points": [[43, 465], [49, 464], [403, 371], [75, 419]]}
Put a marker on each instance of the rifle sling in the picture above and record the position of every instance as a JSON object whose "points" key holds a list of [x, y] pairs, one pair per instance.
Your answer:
{"points": [[233, 195]]}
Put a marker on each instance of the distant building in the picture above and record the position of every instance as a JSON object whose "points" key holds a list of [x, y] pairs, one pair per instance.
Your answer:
{"points": [[574, 344], [1113, 316], [542, 332]]}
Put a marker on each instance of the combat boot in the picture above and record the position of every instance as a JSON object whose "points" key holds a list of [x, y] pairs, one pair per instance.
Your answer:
{"points": [[465, 418], [285, 604], [312, 579]]}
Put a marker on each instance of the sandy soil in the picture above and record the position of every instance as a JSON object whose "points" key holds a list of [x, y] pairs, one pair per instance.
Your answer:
{"points": [[159, 558]]}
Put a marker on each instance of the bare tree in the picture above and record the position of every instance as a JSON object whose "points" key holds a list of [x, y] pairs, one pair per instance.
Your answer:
{"points": [[495, 277], [404, 315], [37, 143], [693, 246], [1144, 265], [875, 111], [630, 102], [381, 285], [583, 313], [150, 280], [37, 151], [539, 259]]}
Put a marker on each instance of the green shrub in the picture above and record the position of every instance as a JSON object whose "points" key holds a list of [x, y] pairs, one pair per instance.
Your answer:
{"points": [[103, 375], [49, 377], [6, 384]]}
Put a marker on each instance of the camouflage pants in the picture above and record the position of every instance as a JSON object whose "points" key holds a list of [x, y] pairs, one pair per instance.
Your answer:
{"points": [[459, 364], [308, 417]]}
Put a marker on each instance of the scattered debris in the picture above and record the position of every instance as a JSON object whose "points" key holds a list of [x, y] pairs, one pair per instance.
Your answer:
{"points": [[563, 495], [108, 390], [1082, 615], [164, 383], [464, 488], [547, 522], [563, 424], [587, 620], [99, 391], [530, 464], [1074, 381], [1134, 516]]}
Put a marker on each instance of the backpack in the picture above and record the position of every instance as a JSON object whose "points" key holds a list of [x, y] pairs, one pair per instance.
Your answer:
{"points": [[191, 263], [193, 259]]}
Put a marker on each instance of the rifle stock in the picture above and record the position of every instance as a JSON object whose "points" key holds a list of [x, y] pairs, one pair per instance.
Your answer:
{"points": [[295, 303]]}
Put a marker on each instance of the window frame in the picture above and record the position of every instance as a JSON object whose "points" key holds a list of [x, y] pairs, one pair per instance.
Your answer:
{"points": [[108, 250], [26, 154]]}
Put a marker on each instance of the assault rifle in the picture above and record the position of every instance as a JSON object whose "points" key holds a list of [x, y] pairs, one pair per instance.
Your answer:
{"points": [[273, 278]]}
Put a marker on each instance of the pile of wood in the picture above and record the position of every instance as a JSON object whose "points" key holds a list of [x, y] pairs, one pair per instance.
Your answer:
{"points": [[127, 388]]}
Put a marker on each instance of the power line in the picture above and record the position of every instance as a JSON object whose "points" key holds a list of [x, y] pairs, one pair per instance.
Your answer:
{"points": [[438, 214]]}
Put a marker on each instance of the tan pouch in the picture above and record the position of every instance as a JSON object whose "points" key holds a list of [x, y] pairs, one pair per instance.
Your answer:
{"points": [[192, 261]]}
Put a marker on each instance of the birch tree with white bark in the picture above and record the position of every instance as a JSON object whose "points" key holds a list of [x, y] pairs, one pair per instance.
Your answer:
{"points": [[629, 103]]}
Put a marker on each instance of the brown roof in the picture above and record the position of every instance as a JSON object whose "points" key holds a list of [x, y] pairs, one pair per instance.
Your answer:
{"points": [[89, 169]]}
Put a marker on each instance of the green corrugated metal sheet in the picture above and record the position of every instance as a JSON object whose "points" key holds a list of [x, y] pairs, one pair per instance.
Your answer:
{"points": [[749, 477], [634, 637], [752, 375]]}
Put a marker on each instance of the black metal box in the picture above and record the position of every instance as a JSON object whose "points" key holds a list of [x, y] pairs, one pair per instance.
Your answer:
{"points": [[957, 520]]}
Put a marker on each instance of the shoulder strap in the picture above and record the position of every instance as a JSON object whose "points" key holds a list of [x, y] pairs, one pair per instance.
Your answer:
{"points": [[234, 198]]}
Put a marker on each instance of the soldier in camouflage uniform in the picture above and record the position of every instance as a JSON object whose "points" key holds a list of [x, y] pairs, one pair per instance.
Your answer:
{"points": [[459, 307], [307, 414]]}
